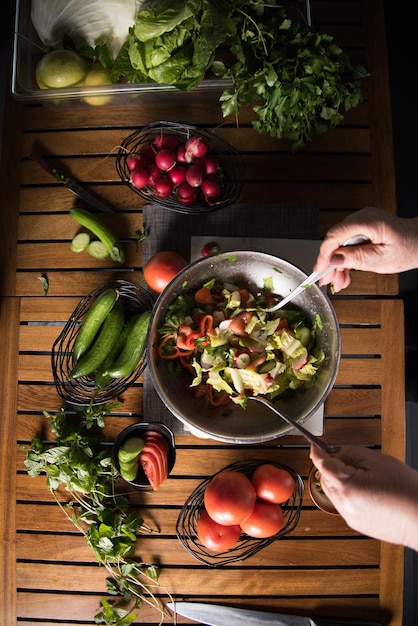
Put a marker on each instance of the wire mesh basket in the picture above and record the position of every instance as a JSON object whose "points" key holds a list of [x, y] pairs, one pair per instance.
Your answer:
{"points": [[230, 166], [247, 546], [82, 391]]}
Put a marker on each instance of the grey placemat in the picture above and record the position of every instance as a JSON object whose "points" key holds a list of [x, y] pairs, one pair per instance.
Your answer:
{"points": [[168, 230]]}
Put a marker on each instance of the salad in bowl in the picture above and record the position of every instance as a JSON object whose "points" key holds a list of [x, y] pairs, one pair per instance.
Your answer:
{"points": [[212, 344]]}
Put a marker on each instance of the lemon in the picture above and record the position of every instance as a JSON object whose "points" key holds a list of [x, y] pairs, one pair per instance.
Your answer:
{"points": [[97, 75], [60, 68]]}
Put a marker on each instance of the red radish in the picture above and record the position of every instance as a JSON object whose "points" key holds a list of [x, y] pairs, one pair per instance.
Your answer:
{"points": [[185, 193], [177, 174], [139, 177], [196, 146], [166, 141], [210, 248], [195, 175], [182, 156], [163, 187], [165, 159], [154, 174], [147, 154], [209, 162], [133, 160], [211, 187], [242, 359]]}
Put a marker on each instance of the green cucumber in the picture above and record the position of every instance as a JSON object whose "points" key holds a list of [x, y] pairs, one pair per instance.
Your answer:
{"points": [[97, 249], [104, 342], [130, 449], [102, 378], [102, 232], [133, 349], [93, 320], [80, 242], [129, 473]]}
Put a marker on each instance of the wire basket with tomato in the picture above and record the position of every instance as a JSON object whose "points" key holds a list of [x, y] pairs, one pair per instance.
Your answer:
{"points": [[181, 167], [196, 531], [134, 302]]}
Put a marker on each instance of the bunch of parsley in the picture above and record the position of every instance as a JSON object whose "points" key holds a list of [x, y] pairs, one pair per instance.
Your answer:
{"points": [[299, 80]]}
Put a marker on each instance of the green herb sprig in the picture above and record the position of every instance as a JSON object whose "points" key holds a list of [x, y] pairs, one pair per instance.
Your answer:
{"points": [[81, 463]]}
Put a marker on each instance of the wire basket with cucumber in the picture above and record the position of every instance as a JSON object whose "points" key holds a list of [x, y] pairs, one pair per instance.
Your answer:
{"points": [[101, 350]]}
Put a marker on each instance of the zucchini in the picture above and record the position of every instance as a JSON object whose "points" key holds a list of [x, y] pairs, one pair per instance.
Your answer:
{"points": [[133, 349], [103, 344], [102, 232], [93, 319]]}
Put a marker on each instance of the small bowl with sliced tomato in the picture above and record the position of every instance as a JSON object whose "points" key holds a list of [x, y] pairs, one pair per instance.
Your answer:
{"points": [[144, 454]]}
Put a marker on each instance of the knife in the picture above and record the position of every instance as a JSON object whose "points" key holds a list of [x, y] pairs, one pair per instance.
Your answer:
{"points": [[52, 168], [217, 615]]}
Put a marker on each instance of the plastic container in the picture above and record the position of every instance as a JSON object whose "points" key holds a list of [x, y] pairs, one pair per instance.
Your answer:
{"points": [[28, 49]]}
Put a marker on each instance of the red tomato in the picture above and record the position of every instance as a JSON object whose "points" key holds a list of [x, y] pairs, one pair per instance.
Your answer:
{"points": [[272, 483], [229, 497], [161, 268], [265, 521], [217, 537], [154, 449], [150, 466], [157, 445], [203, 296]]}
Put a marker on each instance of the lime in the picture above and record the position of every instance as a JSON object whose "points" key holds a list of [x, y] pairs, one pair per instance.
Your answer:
{"points": [[97, 76], [60, 68]]}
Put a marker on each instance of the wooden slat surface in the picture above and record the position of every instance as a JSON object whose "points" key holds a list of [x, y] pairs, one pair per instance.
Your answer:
{"points": [[323, 568]]}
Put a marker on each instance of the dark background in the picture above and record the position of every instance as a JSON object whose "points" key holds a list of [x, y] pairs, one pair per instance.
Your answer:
{"points": [[401, 38]]}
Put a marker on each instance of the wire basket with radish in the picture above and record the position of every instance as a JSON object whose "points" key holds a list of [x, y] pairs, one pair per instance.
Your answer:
{"points": [[101, 351], [181, 167]]}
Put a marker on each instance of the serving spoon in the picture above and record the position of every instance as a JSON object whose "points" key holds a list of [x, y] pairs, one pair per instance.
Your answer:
{"points": [[330, 448], [315, 276]]}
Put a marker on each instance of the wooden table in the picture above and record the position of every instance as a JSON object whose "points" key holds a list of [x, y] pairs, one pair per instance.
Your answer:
{"points": [[323, 567]]}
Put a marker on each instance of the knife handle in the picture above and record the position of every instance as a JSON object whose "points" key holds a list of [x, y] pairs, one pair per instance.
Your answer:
{"points": [[323, 621]]}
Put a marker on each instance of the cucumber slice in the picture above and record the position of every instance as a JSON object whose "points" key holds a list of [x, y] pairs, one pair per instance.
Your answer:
{"points": [[97, 249], [80, 242], [129, 473], [130, 449]]}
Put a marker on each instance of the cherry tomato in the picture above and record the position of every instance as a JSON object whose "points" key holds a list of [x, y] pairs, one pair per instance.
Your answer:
{"points": [[265, 521], [161, 268], [229, 497], [272, 483], [217, 537]]}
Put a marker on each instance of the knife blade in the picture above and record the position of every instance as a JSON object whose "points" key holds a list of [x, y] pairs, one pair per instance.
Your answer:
{"points": [[218, 615], [52, 168]]}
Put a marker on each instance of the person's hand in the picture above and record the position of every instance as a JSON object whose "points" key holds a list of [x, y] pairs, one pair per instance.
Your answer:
{"points": [[393, 246], [376, 494]]}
